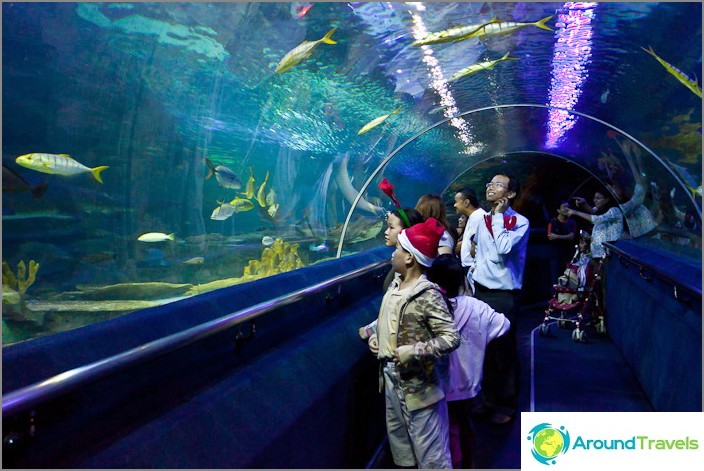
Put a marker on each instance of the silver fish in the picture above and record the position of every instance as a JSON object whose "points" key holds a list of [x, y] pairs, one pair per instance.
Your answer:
{"points": [[226, 178]]}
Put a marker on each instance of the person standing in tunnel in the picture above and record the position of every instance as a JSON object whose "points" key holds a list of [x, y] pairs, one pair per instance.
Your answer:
{"points": [[501, 245], [467, 205], [430, 205]]}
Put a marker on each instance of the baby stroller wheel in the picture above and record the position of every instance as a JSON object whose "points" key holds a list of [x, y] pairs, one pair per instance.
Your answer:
{"points": [[579, 335], [561, 323], [545, 330]]}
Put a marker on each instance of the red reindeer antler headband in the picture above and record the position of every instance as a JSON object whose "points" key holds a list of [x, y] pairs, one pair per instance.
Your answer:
{"points": [[388, 188]]}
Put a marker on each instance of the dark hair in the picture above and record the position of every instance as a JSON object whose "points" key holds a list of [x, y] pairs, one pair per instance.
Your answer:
{"points": [[565, 203], [471, 195], [513, 183], [448, 273], [414, 217]]}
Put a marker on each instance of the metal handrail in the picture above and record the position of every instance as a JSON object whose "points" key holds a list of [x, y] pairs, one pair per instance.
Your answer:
{"points": [[26, 397], [642, 264]]}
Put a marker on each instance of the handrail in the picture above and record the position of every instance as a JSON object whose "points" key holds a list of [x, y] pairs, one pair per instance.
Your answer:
{"points": [[642, 264], [26, 397]]}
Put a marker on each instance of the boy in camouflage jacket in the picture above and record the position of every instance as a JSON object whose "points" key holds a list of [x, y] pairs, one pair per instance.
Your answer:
{"points": [[414, 331]]}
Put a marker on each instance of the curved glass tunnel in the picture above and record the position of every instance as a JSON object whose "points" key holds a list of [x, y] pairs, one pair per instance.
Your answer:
{"points": [[254, 172], [202, 182]]}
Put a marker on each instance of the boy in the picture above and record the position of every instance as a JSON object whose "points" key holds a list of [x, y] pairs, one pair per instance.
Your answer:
{"points": [[414, 330]]}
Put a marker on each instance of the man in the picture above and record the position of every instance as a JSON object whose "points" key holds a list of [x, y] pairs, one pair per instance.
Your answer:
{"points": [[467, 206], [501, 243]]}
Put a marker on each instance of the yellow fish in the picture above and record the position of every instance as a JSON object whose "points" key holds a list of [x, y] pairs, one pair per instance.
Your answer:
{"points": [[61, 164], [155, 237], [377, 121], [458, 33], [300, 52], [273, 209], [479, 66], [241, 205], [677, 73], [249, 189], [260, 194], [507, 27], [271, 197]]}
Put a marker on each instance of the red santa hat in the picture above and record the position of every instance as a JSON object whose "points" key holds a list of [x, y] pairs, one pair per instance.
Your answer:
{"points": [[421, 240]]}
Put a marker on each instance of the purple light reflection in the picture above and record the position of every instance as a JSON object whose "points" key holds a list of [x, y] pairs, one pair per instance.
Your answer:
{"points": [[571, 55]]}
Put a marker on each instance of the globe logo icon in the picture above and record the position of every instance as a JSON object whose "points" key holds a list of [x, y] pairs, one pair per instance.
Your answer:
{"points": [[548, 442]]}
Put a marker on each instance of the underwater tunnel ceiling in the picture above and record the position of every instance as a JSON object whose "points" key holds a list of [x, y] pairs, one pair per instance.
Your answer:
{"points": [[432, 96]]}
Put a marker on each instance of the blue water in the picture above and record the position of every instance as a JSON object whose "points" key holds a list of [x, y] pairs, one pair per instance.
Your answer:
{"points": [[152, 89]]}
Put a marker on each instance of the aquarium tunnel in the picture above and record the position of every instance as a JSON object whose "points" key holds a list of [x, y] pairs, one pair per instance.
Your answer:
{"points": [[193, 228]]}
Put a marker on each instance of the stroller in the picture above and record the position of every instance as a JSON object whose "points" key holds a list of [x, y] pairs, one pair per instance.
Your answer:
{"points": [[576, 295]]}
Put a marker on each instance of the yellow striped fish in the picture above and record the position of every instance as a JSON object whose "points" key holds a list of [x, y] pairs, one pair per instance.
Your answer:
{"points": [[479, 66], [677, 73], [57, 164], [458, 33], [300, 52], [507, 27]]}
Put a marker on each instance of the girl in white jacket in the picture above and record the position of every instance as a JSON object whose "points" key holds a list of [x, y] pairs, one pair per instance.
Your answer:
{"points": [[478, 324]]}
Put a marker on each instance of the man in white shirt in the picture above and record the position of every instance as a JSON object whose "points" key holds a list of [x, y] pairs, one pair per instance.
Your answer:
{"points": [[467, 205], [501, 244]]}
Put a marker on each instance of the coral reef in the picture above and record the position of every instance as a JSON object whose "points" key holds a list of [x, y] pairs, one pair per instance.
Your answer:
{"points": [[22, 280], [280, 257]]}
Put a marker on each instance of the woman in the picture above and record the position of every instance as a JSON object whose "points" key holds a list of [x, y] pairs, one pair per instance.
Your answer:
{"points": [[607, 219], [430, 205]]}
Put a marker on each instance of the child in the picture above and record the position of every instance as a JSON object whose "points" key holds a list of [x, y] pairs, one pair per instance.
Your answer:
{"points": [[414, 330], [478, 324]]}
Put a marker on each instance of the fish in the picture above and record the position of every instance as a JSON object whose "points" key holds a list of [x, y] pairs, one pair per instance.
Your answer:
{"points": [[318, 248], [249, 189], [225, 177], [271, 197], [267, 240], [299, 9], [677, 73], [222, 212], [155, 237], [260, 194], [57, 164], [194, 261], [273, 209], [438, 109], [479, 66], [241, 205], [457, 33], [300, 52], [377, 121], [604, 96], [507, 27], [13, 183]]}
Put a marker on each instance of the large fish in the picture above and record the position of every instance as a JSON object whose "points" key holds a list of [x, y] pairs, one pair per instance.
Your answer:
{"points": [[155, 237], [261, 199], [479, 66], [57, 164], [507, 27], [241, 205], [677, 73], [458, 33], [222, 212], [377, 121], [249, 189], [300, 52], [13, 183], [226, 178]]}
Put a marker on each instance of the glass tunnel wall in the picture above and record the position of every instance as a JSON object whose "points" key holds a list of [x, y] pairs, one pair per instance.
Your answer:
{"points": [[222, 169], [466, 151]]}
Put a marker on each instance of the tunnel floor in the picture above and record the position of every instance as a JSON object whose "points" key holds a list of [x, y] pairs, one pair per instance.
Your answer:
{"points": [[566, 377]]}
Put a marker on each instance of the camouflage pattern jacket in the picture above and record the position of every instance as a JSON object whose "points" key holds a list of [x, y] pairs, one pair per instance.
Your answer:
{"points": [[426, 323]]}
